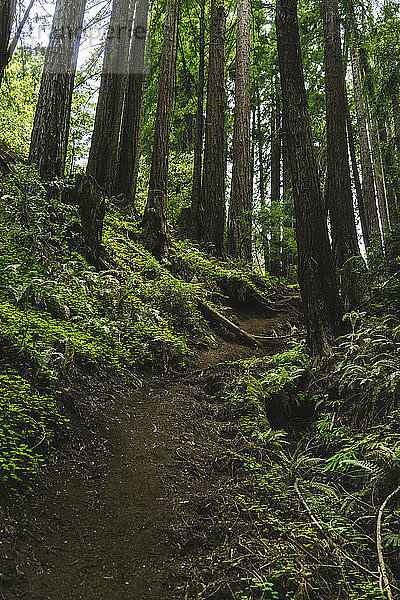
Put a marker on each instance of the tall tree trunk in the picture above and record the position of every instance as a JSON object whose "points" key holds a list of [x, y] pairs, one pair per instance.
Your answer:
{"points": [[380, 180], [198, 146], [263, 203], [372, 233], [154, 233], [384, 158], [288, 221], [338, 192], [275, 223], [7, 53], [49, 141], [7, 16], [396, 116], [357, 179], [132, 119], [239, 241], [389, 168], [214, 167], [317, 278], [103, 155]]}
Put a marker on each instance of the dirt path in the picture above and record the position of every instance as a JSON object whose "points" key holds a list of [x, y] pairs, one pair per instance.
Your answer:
{"points": [[141, 526]]}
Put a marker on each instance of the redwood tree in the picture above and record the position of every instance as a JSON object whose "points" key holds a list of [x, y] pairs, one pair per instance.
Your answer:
{"points": [[199, 135], [338, 191], [49, 141], [7, 15], [371, 229], [317, 278], [8, 45], [102, 164], [212, 212], [129, 150], [154, 233], [276, 154], [240, 217]]}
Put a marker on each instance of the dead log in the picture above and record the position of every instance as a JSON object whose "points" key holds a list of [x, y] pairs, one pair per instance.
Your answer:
{"points": [[213, 315], [273, 338]]}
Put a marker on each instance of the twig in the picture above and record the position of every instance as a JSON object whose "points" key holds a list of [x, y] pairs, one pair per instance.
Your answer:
{"points": [[382, 567]]}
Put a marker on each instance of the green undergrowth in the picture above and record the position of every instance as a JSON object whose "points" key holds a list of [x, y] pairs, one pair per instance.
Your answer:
{"points": [[320, 443], [220, 277], [61, 319]]}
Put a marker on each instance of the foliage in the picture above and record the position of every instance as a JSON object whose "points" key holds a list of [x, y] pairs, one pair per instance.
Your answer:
{"points": [[59, 317], [18, 98], [30, 424], [343, 454]]}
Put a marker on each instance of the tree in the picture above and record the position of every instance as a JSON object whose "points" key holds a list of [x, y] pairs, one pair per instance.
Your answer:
{"points": [[240, 209], [317, 278], [276, 153], [212, 211], [103, 156], [7, 15], [263, 204], [49, 141], [129, 151], [338, 191], [198, 145], [154, 223], [7, 47], [371, 229]]}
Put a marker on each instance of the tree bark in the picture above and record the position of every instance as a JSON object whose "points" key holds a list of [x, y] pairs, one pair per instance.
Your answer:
{"points": [[6, 56], [132, 119], [198, 146], [275, 224], [239, 242], [357, 178], [154, 233], [103, 155], [380, 179], [288, 256], [372, 233], [338, 192], [317, 278], [49, 141], [7, 16], [92, 211], [263, 203], [384, 158], [212, 223]]}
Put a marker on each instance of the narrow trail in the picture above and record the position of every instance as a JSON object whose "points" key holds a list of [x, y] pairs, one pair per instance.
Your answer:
{"points": [[139, 525]]}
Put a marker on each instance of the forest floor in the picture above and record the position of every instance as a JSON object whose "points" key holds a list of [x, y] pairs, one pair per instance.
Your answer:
{"points": [[153, 514]]}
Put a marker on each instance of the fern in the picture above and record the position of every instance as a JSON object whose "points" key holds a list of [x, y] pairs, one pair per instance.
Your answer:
{"points": [[363, 465]]}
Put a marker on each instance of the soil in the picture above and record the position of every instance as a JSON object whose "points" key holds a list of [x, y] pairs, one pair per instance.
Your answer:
{"points": [[153, 516]]}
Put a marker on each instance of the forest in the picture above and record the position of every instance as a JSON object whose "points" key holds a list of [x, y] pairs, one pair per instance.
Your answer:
{"points": [[199, 300]]}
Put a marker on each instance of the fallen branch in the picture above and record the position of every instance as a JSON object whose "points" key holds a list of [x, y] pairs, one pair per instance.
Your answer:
{"points": [[211, 313], [320, 527], [385, 584], [273, 338]]}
